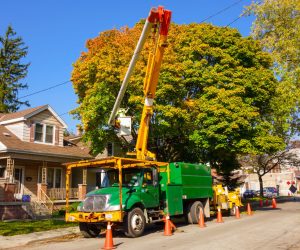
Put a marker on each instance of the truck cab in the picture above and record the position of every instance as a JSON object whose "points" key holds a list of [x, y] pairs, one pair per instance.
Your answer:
{"points": [[139, 188], [129, 196]]}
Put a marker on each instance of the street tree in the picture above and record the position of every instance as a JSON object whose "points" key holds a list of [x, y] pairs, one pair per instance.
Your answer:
{"points": [[277, 27], [213, 99], [12, 71], [262, 164]]}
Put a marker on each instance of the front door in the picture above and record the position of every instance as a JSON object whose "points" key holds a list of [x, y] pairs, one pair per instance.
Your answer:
{"points": [[19, 180], [149, 190]]}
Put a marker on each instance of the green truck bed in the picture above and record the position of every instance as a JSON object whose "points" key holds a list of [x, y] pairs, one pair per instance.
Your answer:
{"points": [[187, 182]]}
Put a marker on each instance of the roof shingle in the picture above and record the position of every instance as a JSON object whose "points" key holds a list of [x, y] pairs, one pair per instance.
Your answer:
{"points": [[13, 143], [19, 114]]}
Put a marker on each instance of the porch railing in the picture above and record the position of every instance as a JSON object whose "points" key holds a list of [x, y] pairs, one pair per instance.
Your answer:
{"points": [[60, 193]]}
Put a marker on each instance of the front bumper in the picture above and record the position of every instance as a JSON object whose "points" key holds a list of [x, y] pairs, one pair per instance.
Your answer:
{"points": [[113, 216]]}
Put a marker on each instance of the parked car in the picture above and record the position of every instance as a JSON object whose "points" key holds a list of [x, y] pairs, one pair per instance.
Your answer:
{"points": [[249, 194], [270, 192]]}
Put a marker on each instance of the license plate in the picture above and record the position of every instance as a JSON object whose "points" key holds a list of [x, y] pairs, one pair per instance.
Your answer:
{"points": [[108, 216]]}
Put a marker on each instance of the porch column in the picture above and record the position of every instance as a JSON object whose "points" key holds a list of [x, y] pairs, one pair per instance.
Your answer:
{"points": [[81, 191], [10, 168], [9, 185], [82, 187], [42, 187]]}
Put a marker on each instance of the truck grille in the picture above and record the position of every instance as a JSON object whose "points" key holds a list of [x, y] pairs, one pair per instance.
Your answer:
{"points": [[95, 203]]}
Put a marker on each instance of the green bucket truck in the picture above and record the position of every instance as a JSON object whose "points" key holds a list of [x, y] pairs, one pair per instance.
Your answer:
{"points": [[137, 192]]}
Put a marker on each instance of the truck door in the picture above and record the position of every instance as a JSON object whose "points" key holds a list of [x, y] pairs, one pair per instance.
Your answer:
{"points": [[149, 189]]}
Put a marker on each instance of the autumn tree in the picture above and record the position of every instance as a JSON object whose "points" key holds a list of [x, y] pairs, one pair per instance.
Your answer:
{"points": [[12, 71], [213, 99], [277, 27]]}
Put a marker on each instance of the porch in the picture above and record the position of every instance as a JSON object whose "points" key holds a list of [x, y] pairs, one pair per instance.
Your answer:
{"points": [[36, 181]]}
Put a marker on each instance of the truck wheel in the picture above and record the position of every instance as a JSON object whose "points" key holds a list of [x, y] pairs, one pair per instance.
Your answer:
{"points": [[194, 212], [233, 210], [89, 230], [134, 223]]}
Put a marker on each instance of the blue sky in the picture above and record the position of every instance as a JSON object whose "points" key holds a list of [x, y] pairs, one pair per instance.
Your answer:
{"points": [[56, 31]]}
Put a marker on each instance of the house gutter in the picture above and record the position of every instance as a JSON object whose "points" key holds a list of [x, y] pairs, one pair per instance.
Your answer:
{"points": [[44, 154]]}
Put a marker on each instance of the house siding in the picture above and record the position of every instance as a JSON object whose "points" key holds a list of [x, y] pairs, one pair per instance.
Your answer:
{"points": [[17, 129], [26, 132]]}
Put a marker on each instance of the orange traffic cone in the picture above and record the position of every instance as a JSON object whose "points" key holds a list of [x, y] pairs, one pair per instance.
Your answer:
{"points": [[274, 204], [169, 226], [237, 212], [267, 202], [261, 203], [219, 216], [249, 211], [109, 244], [201, 222]]}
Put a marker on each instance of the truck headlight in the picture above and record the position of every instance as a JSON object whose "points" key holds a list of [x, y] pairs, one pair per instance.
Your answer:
{"points": [[114, 208]]}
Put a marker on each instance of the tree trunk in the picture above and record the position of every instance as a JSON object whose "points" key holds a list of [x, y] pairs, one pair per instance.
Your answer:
{"points": [[261, 185]]}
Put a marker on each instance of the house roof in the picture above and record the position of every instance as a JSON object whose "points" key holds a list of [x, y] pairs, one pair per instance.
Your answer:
{"points": [[11, 143], [27, 113]]}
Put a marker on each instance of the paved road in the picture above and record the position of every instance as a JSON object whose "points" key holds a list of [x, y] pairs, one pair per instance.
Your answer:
{"points": [[266, 229]]}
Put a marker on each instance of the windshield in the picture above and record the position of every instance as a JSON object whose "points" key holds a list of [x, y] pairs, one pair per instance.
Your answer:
{"points": [[130, 178]]}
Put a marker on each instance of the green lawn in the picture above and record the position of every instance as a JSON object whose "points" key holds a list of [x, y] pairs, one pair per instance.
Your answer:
{"points": [[25, 227]]}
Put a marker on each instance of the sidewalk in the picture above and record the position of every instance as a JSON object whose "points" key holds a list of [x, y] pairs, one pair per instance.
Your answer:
{"points": [[21, 240]]}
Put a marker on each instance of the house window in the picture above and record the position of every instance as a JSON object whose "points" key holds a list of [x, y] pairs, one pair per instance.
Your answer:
{"points": [[44, 133], [54, 177], [110, 149], [49, 134], [38, 136]]}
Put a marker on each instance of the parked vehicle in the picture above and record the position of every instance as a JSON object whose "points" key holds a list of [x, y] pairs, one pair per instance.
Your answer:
{"points": [[139, 192], [270, 192], [249, 194]]}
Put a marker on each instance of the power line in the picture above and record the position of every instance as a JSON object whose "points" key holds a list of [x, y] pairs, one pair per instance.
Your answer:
{"points": [[234, 21], [221, 11], [52, 87], [64, 113], [207, 18]]}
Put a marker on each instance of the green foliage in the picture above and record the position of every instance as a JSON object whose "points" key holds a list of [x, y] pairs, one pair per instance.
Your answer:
{"points": [[213, 98], [277, 27], [25, 227], [12, 71]]}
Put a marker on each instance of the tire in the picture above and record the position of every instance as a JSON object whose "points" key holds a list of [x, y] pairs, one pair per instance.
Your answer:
{"points": [[194, 212], [89, 230], [233, 210], [134, 223]]}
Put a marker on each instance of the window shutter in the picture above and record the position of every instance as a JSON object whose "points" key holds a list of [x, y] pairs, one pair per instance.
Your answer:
{"points": [[32, 128], [57, 136]]}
